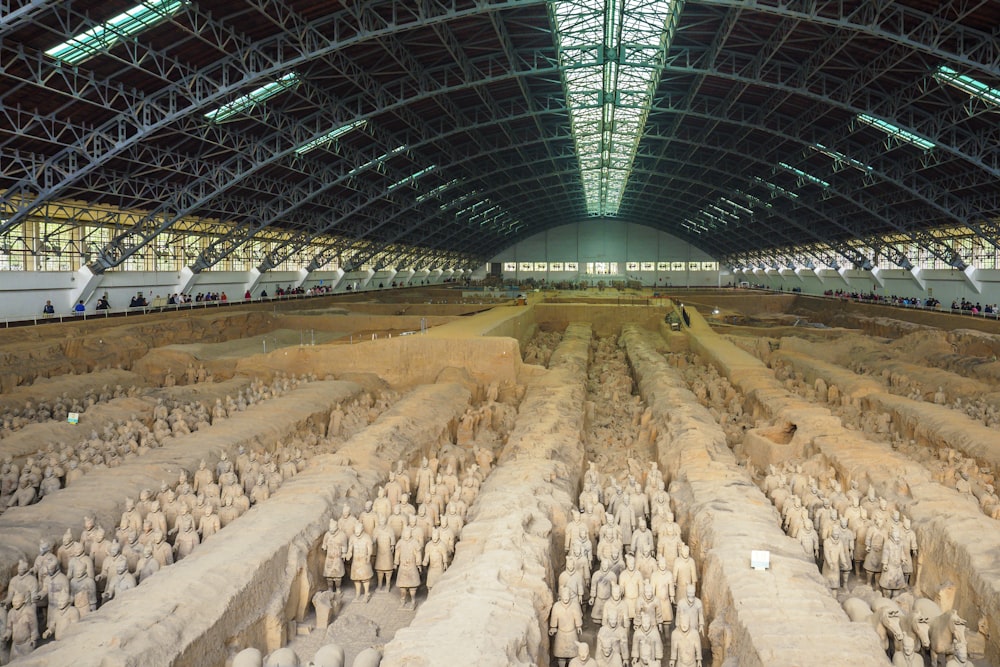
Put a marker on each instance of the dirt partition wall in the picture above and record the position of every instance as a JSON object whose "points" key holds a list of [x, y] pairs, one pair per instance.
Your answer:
{"points": [[784, 615], [606, 319], [55, 349], [957, 542], [938, 426], [491, 606], [403, 362], [244, 585], [102, 493]]}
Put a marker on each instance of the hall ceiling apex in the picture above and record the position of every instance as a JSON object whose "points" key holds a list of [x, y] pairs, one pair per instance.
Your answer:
{"points": [[739, 126]]}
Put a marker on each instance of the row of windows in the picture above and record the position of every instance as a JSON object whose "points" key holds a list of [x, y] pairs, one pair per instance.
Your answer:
{"points": [[610, 268]]}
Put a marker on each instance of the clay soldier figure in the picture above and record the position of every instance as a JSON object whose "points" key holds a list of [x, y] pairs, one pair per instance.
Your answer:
{"points": [[907, 657], [22, 627], [874, 543], [685, 571], [436, 559], [385, 542], [335, 546], [663, 584], [600, 590], [123, 580], [24, 582], [646, 634], [573, 579], [615, 607], [565, 627], [892, 578], [209, 524], [64, 617], [809, 540], [187, 539], [147, 565], [361, 550], [908, 538], [847, 540], [612, 644], [650, 605], [582, 658], [408, 562], [834, 559], [685, 646], [691, 607], [630, 581]]}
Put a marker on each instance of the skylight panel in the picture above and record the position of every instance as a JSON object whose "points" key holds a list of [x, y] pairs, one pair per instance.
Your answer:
{"points": [[411, 178], [611, 53], [253, 98], [896, 132], [967, 84], [803, 175], [329, 137], [842, 159], [102, 37]]}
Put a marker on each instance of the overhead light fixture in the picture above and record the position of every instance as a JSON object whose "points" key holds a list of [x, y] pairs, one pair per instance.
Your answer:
{"points": [[253, 98], [809, 178], [967, 84], [775, 189], [896, 131], [411, 178], [842, 159], [102, 37], [611, 53], [329, 137]]}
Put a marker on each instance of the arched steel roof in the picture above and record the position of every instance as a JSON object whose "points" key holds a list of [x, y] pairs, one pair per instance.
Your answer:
{"points": [[457, 134]]}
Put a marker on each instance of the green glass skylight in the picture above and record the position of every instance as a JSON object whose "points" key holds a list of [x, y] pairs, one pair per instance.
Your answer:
{"points": [[102, 37], [411, 178], [842, 159], [253, 98], [329, 136], [897, 132], [967, 84], [803, 175], [611, 53]]}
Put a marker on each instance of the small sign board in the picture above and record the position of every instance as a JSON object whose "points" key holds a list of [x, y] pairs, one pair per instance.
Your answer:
{"points": [[73, 418], [760, 560]]}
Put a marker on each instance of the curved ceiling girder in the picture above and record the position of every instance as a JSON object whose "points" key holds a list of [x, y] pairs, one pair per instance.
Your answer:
{"points": [[737, 87]]}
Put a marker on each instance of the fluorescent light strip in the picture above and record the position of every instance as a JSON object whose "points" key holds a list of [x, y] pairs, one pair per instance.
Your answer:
{"points": [[775, 189], [377, 162], [967, 84], [411, 178], [803, 175], [895, 131], [841, 158], [102, 37], [736, 206], [253, 98], [329, 137], [437, 191]]}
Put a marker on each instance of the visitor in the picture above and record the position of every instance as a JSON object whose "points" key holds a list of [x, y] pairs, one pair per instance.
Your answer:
{"points": [[246, 295], [48, 309], [263, 294], [79, 308], [223, 297], [102, 304]]}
